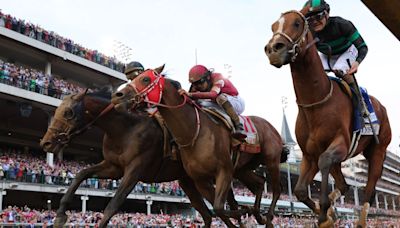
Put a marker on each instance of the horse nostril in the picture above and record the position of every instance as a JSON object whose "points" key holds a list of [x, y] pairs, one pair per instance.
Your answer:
{"points": [[278, 46], [45, 145], [267, 49], [119, 94]]}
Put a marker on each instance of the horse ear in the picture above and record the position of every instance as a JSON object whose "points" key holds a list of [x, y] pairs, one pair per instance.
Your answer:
{"points": [[79, 96], [159, 69]]}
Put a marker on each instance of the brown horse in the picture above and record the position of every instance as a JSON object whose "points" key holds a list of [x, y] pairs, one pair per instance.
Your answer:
{"points": [[323, 132], [206, 146], [128, 150]]}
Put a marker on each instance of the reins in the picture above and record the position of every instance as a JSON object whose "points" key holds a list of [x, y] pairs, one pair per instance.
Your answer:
{"points": [[140, 98], [325, 99], [65, 137]]}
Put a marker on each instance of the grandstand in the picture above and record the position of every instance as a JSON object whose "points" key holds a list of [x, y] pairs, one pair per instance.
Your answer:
{"points": [[37, 77]]}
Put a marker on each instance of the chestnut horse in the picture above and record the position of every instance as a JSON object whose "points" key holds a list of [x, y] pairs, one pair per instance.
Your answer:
{"points": [[132, 149], [325, 119], [205, 146]]}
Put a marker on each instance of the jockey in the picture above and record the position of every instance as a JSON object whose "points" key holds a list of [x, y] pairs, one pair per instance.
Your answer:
{"points": [[133, 69], [339, 40], [207, 84]]}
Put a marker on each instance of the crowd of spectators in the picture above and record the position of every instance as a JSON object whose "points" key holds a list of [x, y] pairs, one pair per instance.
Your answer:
{"points": [[21, 165], [52, 38], [35, 81], [27, 217]]}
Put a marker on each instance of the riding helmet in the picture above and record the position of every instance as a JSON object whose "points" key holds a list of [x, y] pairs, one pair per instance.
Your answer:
{"points": [[316, 6], [132, 66], [198, 72]]}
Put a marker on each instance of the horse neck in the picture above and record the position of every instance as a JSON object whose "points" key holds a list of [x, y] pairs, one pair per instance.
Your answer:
{"points": [[180, 121], [309, 78]]}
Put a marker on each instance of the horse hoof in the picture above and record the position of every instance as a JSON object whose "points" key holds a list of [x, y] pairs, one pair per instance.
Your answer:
{"points": [[261, 219], [60, 221], [331, 213], [361, 225]]}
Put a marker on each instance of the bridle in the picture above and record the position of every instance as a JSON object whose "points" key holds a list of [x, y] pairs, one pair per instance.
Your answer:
{"points": [[296, 44], [63, 138], [141, 97]]}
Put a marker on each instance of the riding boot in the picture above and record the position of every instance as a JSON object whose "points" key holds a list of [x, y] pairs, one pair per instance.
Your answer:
{"points": [[239, 133], [362, 106]]}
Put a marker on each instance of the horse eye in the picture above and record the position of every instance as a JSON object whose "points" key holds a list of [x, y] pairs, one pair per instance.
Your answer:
{"points": [[68, 114], [146, 80], [297, 24]]}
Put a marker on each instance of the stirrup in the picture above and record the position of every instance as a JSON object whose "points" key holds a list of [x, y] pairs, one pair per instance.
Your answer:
{"points": [[239, 134]]}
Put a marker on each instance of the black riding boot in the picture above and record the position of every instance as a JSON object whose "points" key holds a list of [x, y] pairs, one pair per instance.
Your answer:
{"points": [[239, 133], [361, 104]]}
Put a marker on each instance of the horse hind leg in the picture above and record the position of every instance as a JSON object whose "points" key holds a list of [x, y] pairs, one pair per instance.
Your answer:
{"points": [[101, 170], [255, 184], [274, 172]]}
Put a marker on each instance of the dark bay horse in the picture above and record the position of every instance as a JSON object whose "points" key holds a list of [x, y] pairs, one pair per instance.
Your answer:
{"points": [[205, 146], [132, 149], [324, 122]]}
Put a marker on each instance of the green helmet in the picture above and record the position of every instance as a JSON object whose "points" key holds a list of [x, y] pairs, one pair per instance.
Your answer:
{"points": [[316, 6]]}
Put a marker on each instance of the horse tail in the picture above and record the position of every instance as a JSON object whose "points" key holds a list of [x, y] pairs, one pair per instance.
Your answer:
{"points": [[285, 153]]}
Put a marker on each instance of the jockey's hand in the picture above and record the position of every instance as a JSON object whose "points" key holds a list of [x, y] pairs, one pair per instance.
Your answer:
{"points": [[183, 92], [354, 67]]}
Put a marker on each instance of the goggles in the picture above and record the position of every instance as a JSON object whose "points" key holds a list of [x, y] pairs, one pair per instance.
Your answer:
{"points": [[317, 17], [199, 82]]}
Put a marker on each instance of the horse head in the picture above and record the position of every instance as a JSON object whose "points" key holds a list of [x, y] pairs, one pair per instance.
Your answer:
{"points": [[146, 88], [67, 118], [290, 38]]}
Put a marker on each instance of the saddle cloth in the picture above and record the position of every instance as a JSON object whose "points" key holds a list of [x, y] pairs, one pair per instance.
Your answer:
{"points": [[216, 113], [358, 121]]}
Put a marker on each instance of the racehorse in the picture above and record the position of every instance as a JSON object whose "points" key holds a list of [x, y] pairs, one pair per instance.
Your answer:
{"points": [[128, 150], [325, 119], [205, 146]]}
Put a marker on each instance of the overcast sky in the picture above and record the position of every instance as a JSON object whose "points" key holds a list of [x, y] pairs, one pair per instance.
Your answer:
{"points": [[232, 32]]}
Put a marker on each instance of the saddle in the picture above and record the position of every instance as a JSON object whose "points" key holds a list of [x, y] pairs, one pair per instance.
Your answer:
{"points": [[218, 115]]}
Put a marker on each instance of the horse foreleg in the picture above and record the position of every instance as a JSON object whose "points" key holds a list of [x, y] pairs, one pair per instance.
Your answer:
{"points": [[101, 170], [274, 172], [233, 204], [128, 182], [308, 169], [255, 184], [223, 182], [196, 200], [332, 156], [341, 187]]}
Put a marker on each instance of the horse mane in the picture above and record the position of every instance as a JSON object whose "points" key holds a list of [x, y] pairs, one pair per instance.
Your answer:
{"points": [[175, 83], [103, 93]]}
